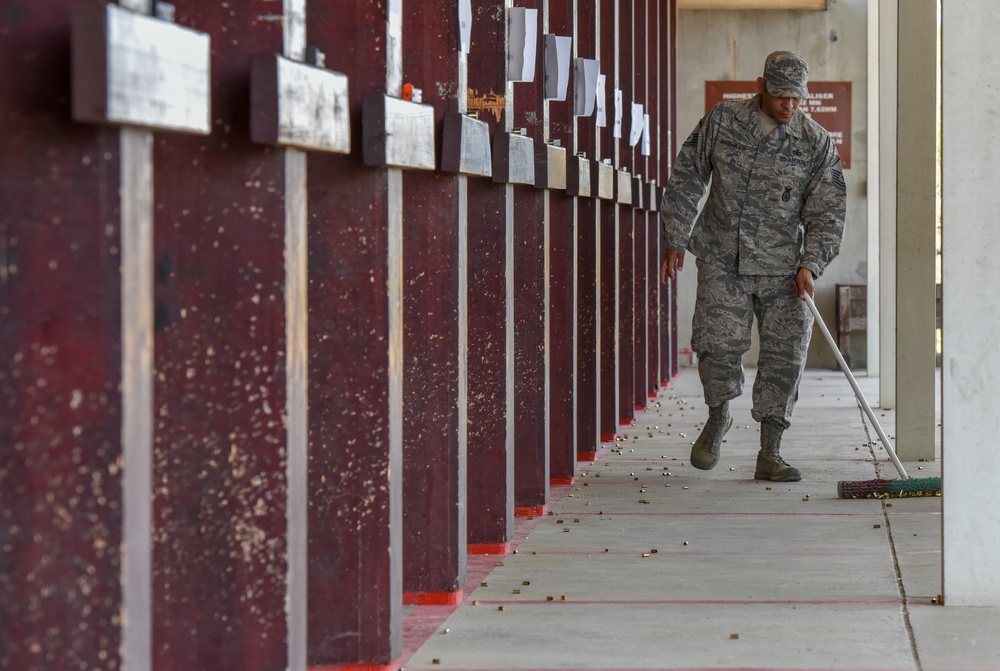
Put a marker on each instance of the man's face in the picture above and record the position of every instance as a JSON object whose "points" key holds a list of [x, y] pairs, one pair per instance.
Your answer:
{"points": [[780, 109]]}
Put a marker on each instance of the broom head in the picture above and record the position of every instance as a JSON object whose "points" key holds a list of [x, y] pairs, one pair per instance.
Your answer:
{"points": [[889, 489]]}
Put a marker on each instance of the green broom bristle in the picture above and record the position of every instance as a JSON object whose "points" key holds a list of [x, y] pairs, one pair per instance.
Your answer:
{"points": [[889, 489], [915, 487]]}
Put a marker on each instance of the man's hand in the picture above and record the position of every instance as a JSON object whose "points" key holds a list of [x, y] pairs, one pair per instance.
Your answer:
{"points": [[673, 264], [804, 284]]}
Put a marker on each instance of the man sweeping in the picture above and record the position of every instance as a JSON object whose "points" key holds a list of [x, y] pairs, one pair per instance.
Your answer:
{"points": [[772, 223]]}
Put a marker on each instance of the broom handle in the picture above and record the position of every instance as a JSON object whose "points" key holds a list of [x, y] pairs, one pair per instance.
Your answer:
{"points": [[854, 383]]}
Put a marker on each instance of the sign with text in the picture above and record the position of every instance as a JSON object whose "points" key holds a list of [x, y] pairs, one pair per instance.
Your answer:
{"points": [[829, 103]]}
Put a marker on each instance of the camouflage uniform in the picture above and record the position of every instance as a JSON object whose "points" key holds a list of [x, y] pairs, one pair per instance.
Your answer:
{"points": [[777, 203]]}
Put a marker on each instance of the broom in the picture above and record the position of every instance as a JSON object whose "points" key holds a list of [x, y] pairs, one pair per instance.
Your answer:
{"points": [[879, 488]]}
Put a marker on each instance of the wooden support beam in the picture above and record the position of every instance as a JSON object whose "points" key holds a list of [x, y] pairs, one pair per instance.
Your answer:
{"points": [[61, 290], [434, 450], [562, 280], [607, 242], [531, 459], [588, 436], [490, 478], [220, 388], [657, 320], [628, 34], [355, 454]]}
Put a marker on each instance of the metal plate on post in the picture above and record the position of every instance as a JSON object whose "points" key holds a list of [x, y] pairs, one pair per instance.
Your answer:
{"points": [[638, 202], [465, 145], [578, 176], [513, 158], [653, 202], [602, 180], [298, 105], [623, 187], [136, 70], [397, 133], [550, 166]]}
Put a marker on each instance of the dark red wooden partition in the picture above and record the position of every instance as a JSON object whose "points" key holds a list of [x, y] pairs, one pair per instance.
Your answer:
{"points": [[625, 160], [562, 282], [608, 254], [640, 167], [434, 542], [467, 339], [354, 538], [219, 478], [588, 307], [531, 459], [60, 369], [491, 455]]}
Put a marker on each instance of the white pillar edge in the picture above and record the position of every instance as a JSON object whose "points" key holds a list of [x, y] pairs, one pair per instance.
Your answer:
{"points": [[617, 252], [887, 45], [508, 119], [394, 281], [546, 296], [596, 204], [463, 336], [394, 286], [297, 370], [873, 333], [137, 397], [575, 286], [297, 403]]}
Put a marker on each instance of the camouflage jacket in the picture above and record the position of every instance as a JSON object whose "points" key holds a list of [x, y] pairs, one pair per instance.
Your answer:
{"points": [[777, 202]]}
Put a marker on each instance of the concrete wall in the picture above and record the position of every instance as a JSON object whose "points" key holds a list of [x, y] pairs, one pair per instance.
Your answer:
{"points": [[720, 45]]}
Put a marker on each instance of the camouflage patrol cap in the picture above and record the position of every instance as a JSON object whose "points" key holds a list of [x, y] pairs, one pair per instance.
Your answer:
{"points": [[786, 75]]}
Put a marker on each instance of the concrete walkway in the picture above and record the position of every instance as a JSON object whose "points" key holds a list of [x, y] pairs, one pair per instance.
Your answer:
{"points": [[647, 563]]}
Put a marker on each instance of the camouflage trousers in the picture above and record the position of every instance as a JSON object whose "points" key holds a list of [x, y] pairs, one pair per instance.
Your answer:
{"points": [[723, 318]]}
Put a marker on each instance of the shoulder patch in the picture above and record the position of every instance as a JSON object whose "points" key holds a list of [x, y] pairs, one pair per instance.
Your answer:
{"points": [[838, 177]]}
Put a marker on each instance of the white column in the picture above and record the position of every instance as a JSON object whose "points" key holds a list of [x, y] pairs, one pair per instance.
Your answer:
{"points": [[297, 379], [394, 285], [916, 157], [137, 397], [885, 234], [508, 126], [463, 331], [136, 147], [971, 318], [874, 191]]}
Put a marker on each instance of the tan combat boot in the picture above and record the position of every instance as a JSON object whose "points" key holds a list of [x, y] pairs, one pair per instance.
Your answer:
{"points": [[705, 451], [770, 465]]}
